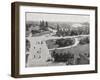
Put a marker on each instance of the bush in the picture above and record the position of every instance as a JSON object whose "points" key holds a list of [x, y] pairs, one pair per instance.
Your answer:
{"points": [[62, 57], [84, 41], [27, 45], [64, 42]]}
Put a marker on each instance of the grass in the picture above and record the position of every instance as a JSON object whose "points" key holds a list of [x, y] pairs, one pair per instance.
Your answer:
{"points": [[76, 50], [79, 51]]}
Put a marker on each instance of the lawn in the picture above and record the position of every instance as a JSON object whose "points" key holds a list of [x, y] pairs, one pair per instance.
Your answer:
{"points": [[59, 43], [80, 52]]}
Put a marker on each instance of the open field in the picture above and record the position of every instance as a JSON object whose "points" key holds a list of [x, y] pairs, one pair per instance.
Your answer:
{"points": [[56, 43], [75, 50], [80, 52]]}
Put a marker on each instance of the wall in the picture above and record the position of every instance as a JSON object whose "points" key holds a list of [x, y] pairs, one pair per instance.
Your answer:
{"points": [[5, 40]]}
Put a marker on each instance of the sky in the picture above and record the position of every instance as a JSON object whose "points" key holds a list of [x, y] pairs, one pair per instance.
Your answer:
{"points": [[57, 17]]}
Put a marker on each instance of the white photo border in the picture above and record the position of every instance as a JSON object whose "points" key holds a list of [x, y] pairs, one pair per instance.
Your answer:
{"points": [[54, 69]]}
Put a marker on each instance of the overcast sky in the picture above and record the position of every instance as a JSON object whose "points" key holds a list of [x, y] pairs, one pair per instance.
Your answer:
{"points": [[57, 17]]}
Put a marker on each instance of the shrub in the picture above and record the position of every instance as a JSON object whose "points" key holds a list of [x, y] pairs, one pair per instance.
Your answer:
{"points": [[84, 41], [62, 57], [64, 42]]}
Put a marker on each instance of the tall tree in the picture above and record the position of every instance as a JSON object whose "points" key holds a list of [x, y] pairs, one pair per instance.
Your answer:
{"points": [[46, 24]]}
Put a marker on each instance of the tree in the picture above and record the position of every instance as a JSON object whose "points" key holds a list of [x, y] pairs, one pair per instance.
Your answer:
{"points": [[58, 33], [41, 24], [46, 24]]}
